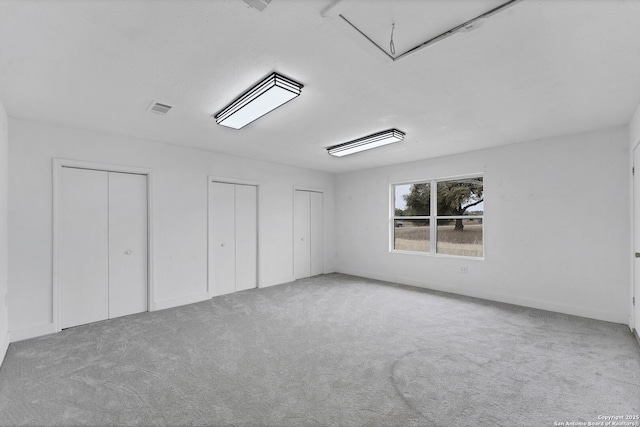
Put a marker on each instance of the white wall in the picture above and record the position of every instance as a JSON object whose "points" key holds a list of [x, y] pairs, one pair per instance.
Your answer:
{"points": [[556, 225], [4, 266], [179, 209]]}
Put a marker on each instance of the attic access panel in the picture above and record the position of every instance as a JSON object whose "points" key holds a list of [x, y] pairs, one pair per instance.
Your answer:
{"points": [[415, 23]]}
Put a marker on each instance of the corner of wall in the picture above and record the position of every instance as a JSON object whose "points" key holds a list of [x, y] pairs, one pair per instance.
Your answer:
{"points": [[634, 128], [4, 229], [4, 346]]}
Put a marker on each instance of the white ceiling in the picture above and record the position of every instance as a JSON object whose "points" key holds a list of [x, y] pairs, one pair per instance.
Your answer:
{"points": [[538, 69], [413, 22]]}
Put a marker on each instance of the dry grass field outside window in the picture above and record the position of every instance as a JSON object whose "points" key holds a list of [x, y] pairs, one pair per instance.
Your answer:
{"points": [[467, 242]]}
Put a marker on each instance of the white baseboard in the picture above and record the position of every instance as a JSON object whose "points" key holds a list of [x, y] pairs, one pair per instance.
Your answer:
{"points": [[4, 346], [176, 302], [49, 328], [494, 296], [288, 279], [32, 332], [279, 281]]}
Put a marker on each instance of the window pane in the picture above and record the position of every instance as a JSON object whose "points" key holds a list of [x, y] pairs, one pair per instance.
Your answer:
{"points": [[461, 197], [412, 200], [411, 235], [459, 237]]}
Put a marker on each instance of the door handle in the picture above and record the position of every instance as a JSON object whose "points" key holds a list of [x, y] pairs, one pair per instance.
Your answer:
{"points": [[127, 252], [637, 254]]}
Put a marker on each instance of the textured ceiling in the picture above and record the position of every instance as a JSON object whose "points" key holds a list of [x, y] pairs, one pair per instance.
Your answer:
{"points": [[537, 69]]}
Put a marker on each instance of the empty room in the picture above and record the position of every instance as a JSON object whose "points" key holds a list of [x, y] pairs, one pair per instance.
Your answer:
{"points": [[319, 212]]}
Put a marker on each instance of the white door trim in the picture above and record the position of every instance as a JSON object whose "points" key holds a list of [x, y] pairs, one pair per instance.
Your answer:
{"points": [[634, 321], [311, 189], [58, 164], [226, 180]]}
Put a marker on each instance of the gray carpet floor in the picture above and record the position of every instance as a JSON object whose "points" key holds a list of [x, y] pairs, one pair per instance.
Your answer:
{"points": [[333, 350]]}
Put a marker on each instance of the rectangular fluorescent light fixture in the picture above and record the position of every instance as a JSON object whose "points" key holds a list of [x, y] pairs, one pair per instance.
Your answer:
{"points": [[270, 93], [366, 143]]}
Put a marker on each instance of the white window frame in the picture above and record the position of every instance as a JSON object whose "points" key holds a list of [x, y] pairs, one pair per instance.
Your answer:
{"points": [[432, 217]]}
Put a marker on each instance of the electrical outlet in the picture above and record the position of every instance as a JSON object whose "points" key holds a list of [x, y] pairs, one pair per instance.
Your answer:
{"points": [[464, 269]]}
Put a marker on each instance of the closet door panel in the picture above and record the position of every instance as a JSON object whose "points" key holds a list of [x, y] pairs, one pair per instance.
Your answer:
{"points": [[246, 221], [127, 244], [302, 233], [316, 230], [222, 252], [83, 246]]}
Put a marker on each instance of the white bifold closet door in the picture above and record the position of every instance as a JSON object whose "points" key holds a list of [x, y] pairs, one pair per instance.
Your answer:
{"points": [[308, 234], [102, 245], [233, 237], [127, 244]]}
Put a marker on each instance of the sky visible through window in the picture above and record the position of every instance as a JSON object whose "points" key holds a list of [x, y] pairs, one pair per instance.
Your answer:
{"points": [[403, 189]]}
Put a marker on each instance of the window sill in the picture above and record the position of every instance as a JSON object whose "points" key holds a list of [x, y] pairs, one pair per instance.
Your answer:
{"points": [[429, 254]]}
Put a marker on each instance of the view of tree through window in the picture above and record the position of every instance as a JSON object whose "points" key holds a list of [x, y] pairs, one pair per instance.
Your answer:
{"points": [[412, 231], [453, 226]]}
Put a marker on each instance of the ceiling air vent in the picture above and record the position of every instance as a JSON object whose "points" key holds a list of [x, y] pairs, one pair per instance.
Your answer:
{"points": [[258, 4], [159, 108]]}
